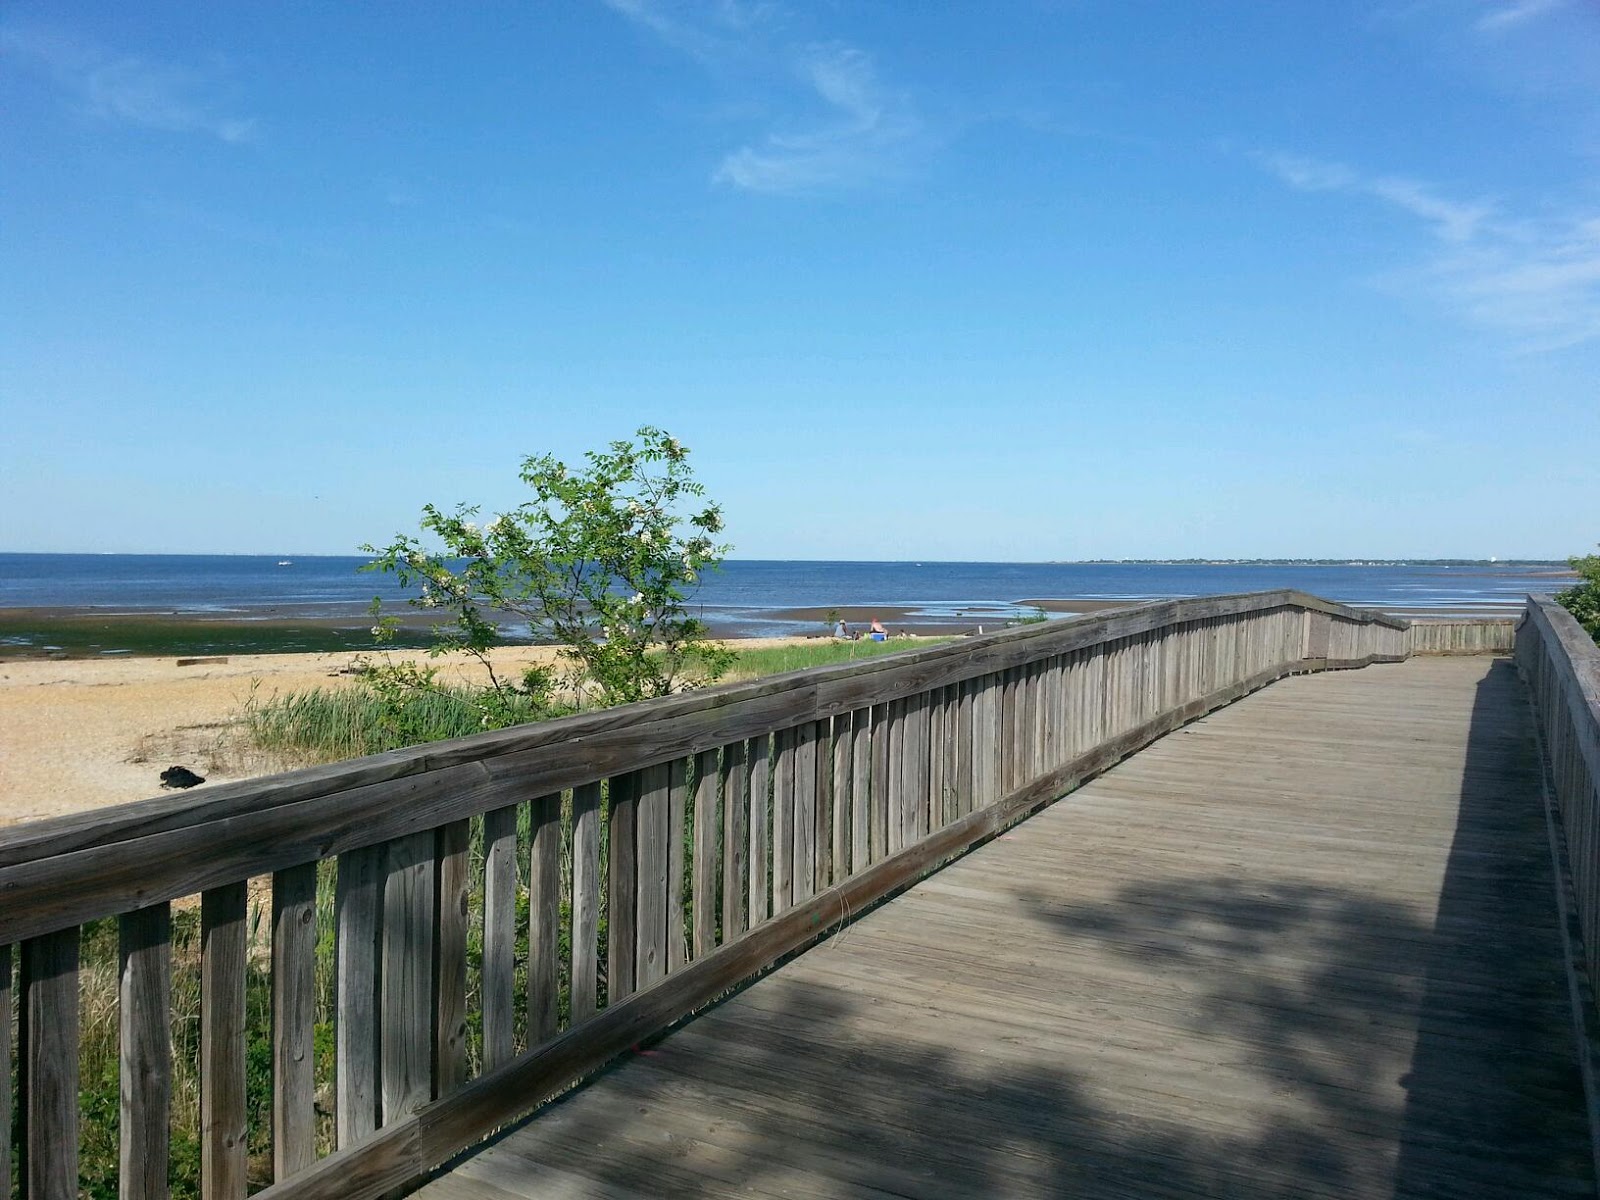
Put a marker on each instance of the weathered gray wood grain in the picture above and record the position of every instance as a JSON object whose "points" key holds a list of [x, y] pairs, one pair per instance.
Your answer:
{"points": [[840, 816], [760, 894], [49, 1052], [144, 1013], [735, 787], [224, 942], [358, 916], [622, 867], [860, 790], [497, 978], [452, 897], [544, 918], [895, 775], [680, 863], [294, 1019], [783, 801], [407, 1002], [879, 799], [585, 900], [708, 879], [803, 867], [653, 818]]}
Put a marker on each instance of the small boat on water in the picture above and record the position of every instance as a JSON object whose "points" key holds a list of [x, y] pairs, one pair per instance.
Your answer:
{"points": [[284, 562]]}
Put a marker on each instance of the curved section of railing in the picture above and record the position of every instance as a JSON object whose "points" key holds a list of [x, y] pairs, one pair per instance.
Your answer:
{"points": [[393, 957], [1561, 664]]}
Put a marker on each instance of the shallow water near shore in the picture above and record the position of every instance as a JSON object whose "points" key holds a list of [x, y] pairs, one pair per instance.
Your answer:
{"points": [[87, 605]]}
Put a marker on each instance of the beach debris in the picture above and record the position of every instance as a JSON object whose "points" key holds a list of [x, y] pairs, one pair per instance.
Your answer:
{"points": [[180, 777], [195, 662]]}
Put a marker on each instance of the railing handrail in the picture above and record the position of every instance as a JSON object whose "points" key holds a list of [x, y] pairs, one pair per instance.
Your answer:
{"points": [[66, 870], [1580, 654], [138, 818]]}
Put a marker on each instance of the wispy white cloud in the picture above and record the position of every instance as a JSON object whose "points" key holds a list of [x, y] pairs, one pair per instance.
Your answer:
{"points": [[1452, 221], [862, 134], [1536, 277], [842, 126], [1502, 16], [124, 89], [709, 30]]}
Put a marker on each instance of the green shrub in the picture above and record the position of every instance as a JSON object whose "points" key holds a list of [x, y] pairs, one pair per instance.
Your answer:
{"points": [[1582, 599]]}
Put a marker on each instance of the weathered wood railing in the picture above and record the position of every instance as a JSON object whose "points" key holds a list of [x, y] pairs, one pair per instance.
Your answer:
{"points": [[1464, 635], [1561, 665], [666, 851]]}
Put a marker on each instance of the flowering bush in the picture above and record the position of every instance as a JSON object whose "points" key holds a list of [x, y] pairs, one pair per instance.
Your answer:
{"points": [[602, 560]]}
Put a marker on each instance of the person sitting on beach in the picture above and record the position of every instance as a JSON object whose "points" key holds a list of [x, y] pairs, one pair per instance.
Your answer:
{"points": [[879, 633], [841, 630]]}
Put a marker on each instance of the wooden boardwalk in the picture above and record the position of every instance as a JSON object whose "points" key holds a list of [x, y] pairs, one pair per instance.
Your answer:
{"points": [[1306, 946]]}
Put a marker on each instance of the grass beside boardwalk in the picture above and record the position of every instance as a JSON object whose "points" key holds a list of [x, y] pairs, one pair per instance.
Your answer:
{"points": [[327, 724], [324, 725], [774, 660]]}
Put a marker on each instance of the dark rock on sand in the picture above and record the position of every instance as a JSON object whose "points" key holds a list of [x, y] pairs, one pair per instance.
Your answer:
{"points": [[180, 777]]}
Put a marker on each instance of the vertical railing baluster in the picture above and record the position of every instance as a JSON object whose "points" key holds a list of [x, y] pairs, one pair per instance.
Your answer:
{"points": [[803, 830], [760, 757], [49, 1091], [735, 840], [783, 750], [294, 958], [840, 824], [679, 831], [406, 1009], [708, 878], [223, 951], [144, 1005], [822, 814], [497, 976], [621, 887], [880, 781], [860, 790], [544, 918], [452, 844], [653, 817], [585, 900], [896, 777], [358, 909]]}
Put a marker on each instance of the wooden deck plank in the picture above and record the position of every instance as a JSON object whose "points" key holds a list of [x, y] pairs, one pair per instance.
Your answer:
{"points": [[1304, 947]]}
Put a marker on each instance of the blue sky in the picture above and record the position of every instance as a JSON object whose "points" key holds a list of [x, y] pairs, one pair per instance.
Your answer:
{"points": [[1044, 280]]}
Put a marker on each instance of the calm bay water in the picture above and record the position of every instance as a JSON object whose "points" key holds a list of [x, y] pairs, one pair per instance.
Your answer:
{"points": [[744, 594]]}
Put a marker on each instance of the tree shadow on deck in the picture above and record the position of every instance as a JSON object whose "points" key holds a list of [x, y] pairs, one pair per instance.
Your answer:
{"points": [[1258, 1039], [1428, 1059], [1496, 1056]]}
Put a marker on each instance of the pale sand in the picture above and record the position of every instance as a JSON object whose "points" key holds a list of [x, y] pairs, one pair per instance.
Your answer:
{"points": [[84, 733]]}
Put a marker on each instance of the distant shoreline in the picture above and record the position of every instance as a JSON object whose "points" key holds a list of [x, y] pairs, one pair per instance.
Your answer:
{"points": [[105, 632]]}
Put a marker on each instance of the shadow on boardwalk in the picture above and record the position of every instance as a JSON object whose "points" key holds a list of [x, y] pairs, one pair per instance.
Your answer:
{"points": [[1351, 1050]]}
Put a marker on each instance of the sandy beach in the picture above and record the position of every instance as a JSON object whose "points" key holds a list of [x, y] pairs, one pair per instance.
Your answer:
{"points": [[78, 734]]}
